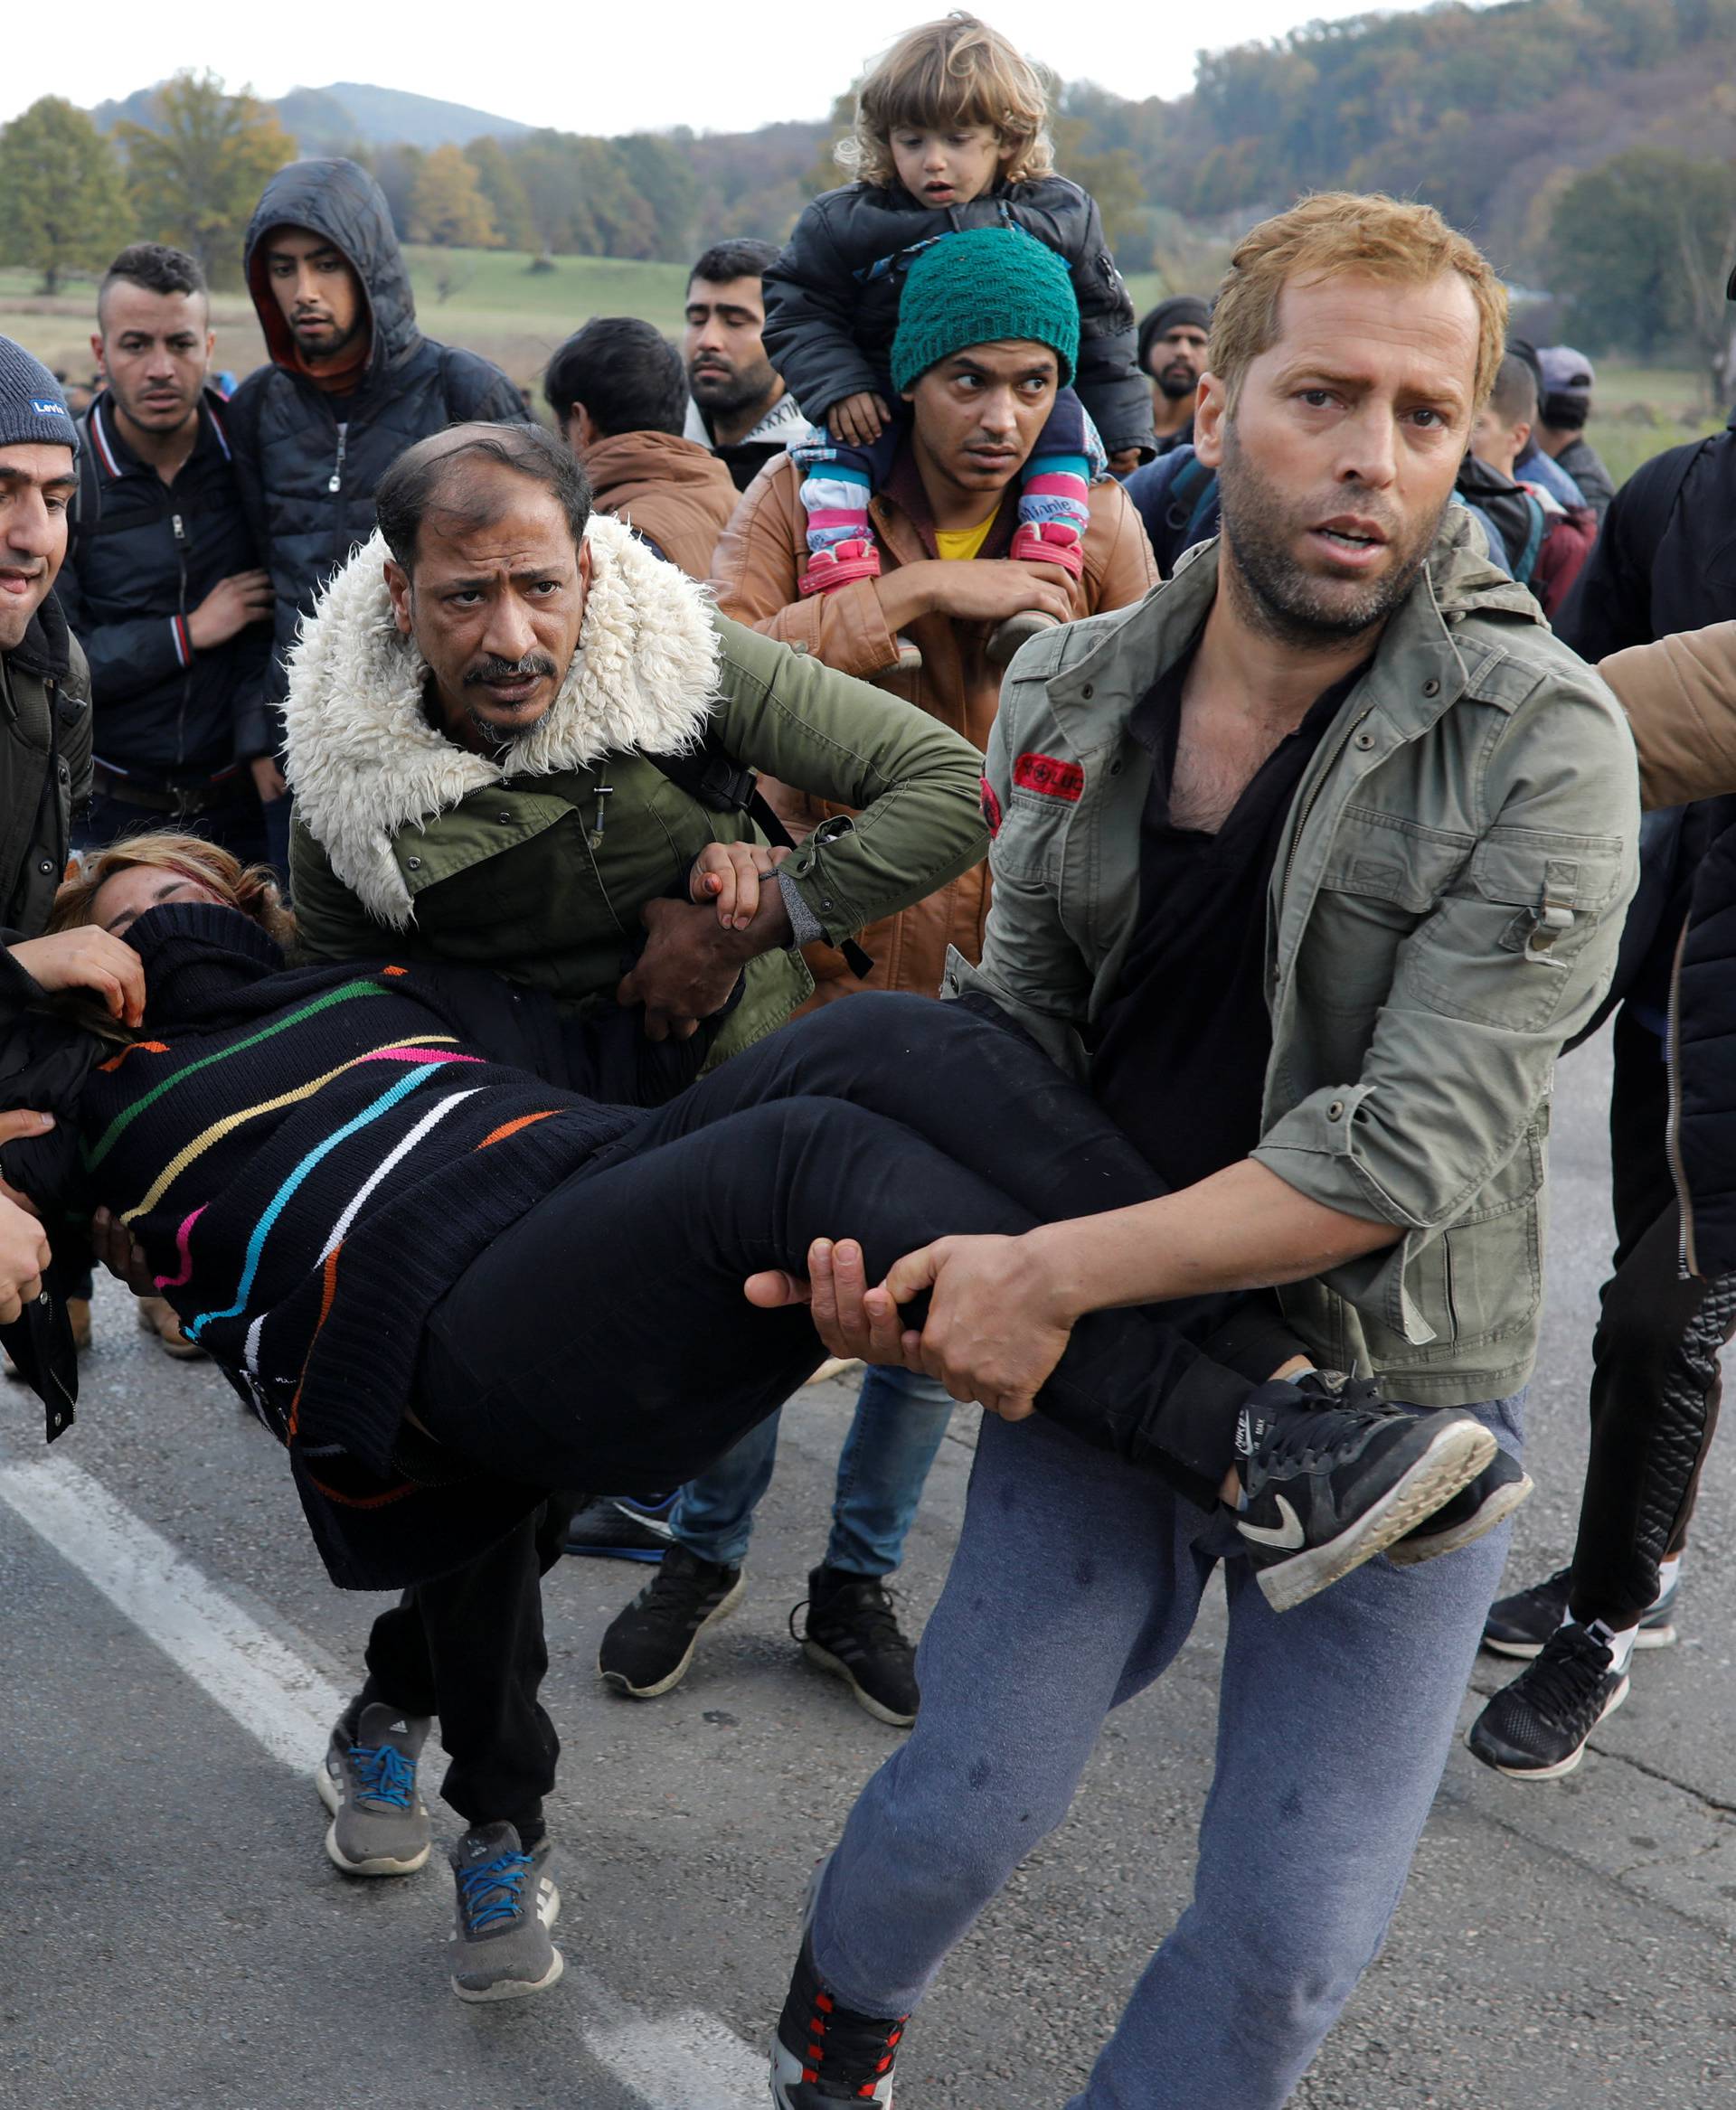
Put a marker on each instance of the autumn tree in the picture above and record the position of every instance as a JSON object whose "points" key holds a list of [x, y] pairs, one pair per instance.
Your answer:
{"points": [[1643, 248], [448, 208], [62, 203], [198, 168], [498, 181]]}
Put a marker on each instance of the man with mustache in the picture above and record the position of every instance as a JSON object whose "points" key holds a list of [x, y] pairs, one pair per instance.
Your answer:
{"points": [[351, 383], [1172, 351], [528, 746]]}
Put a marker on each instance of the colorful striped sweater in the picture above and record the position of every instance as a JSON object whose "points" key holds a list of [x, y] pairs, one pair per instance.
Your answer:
{"points": [[310, 1159]]}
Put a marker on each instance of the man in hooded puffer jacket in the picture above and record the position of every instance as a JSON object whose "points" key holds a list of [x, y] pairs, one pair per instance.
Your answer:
{"points": [[352, 381]]}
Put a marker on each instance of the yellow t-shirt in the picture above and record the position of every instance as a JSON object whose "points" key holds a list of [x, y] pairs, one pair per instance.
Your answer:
{"points": [[964, 541]]}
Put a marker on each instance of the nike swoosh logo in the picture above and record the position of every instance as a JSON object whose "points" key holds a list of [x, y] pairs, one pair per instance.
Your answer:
{"points": [[1287, 1536]]}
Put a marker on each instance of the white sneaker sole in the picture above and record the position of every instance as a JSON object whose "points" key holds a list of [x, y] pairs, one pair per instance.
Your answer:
{"points": [[1565, 1766], [865, 1701], [380, 1864], [1452, 1461], [787, 2074], [547, 1910], [1413, 1552], [616, 1681], [1665, 1636]]}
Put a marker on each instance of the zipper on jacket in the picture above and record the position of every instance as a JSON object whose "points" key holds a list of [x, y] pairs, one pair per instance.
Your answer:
{"points": [[335, 483], [179, 526], [1673, 1126]]}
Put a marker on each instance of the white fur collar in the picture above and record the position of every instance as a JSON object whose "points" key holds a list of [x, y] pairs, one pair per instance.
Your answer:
{"points": [[364, 763]]}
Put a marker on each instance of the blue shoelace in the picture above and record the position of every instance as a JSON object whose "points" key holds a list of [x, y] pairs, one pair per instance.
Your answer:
{"points": [[489, 1893], [383, 1774]]}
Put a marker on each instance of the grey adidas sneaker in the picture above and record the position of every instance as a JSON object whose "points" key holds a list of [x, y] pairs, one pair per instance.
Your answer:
{"points": [[507, 1903], [367, 1780]]}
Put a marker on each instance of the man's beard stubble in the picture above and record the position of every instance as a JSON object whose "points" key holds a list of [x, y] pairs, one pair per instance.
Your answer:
{"points": [[1178, 382], [732, 392], [1280, 598]]}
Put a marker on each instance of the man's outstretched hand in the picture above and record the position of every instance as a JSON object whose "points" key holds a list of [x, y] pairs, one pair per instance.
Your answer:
{"points": [[996, 1325]]}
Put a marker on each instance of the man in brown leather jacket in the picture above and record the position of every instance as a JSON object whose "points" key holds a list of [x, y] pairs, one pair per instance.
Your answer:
{"points": [[944, 521]]}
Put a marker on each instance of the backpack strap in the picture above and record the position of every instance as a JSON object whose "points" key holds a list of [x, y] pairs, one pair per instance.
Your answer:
{"points": [[712, 777], [1525, 563]]}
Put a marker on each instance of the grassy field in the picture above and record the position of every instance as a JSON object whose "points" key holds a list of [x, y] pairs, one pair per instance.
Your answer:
{"points": [[494, 302]]}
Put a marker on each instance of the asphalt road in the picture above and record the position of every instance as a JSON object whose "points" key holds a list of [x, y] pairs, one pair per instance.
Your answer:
{"points": [[173, 1937]]}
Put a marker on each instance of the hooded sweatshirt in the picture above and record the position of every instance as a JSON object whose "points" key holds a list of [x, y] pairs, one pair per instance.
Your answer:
{"points": [[309, 457]]}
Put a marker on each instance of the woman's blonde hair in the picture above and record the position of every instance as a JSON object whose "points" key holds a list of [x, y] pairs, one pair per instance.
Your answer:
{"points": [[945, 74], [1339, 233], [251, 888]]}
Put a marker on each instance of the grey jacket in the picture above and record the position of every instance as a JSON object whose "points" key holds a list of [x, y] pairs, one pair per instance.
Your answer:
{"points": [[1444, 913]]}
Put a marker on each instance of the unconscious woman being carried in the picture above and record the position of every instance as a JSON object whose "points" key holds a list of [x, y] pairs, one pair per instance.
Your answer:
{"points": [[409, 1212]]}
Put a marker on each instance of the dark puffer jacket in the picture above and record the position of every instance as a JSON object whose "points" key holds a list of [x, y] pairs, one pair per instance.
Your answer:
{"points": [[144, 555], [832, 297], [44, 767], [309, 463]]}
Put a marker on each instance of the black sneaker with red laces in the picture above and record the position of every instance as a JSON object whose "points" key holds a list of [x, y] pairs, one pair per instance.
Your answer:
{"points": [[824, 2052]]}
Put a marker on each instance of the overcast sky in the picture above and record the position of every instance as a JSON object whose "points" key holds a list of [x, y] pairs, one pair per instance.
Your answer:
{"points": [[610, 66]]}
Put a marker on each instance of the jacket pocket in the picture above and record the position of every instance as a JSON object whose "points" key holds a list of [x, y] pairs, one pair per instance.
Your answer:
{"points": [[1490, 1263], [1505, 950], [1383, 878]]}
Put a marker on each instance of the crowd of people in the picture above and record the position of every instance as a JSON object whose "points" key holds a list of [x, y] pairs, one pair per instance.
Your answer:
{"points": [[1047, 855]]}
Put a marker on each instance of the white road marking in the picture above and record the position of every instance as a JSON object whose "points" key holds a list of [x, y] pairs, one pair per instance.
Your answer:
{"points": [[680, 2062], [249, 1672]]}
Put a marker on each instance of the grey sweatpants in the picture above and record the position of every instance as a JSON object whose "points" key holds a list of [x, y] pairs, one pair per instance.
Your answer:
{"points": [[1075, 1583]]}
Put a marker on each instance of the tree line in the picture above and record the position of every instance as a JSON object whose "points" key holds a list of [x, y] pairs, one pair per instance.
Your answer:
{"points": [[1589, 144]]}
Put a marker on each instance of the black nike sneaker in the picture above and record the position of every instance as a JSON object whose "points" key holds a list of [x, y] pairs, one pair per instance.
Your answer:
{"points": [[1520, 1625], [1536, 1730], [1332, 1475], [824, 2052], [623, 1526], [1487, 1501]]}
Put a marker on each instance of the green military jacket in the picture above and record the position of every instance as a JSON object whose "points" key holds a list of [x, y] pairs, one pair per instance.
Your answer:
{"points": [[1443, 915], [405, 841], [44, 767]]}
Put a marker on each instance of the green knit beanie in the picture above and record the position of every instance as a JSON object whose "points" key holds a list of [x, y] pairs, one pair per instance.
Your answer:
{"points": [[980, 287]]}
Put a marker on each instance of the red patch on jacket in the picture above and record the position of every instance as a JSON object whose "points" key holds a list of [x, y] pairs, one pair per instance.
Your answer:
{"points": [[1052, 779], [991, 808]]}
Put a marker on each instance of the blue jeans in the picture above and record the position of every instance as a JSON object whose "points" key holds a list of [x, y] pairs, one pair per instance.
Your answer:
{"points": [[1074, 1586], [900, 1419]]}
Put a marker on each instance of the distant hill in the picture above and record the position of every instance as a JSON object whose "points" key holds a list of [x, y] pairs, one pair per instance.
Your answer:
{"points": [[353, 113]]}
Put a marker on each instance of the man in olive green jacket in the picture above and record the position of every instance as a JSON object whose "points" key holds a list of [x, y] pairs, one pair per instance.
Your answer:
{"points": [[1309, 863], [538, 858], [488, 722]]}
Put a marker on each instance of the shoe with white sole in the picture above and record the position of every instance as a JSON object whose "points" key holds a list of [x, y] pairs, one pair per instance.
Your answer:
{"points": [[367, 1780], [507, 1903], [1537, 1728], [1332, 1474]]}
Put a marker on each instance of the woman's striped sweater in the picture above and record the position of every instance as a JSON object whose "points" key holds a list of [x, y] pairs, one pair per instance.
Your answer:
{"points": [[310, 1159]]}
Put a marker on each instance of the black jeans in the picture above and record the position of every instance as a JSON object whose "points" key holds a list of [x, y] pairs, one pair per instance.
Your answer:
{"points": [[1655, 1376], [469, 1648], [604, 1340]]}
